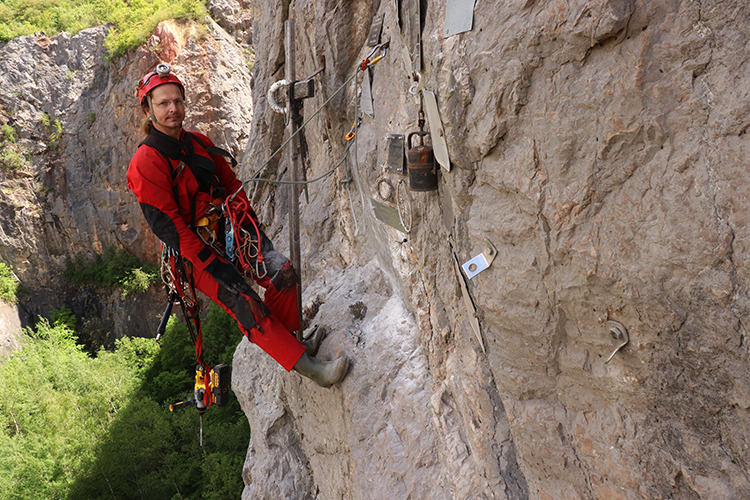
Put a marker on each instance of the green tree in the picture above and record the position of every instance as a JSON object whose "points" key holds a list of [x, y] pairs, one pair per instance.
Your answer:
{"points": [[8, 284], [79, 426], [132, 20]]}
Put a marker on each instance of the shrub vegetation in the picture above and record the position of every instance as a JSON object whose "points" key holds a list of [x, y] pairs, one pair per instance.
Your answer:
{"points": [[77, 426], [113, 268], [8, 284], [132, 20]]}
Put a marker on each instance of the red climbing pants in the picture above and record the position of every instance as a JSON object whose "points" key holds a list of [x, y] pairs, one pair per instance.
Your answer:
{"points": [[273, 333]]}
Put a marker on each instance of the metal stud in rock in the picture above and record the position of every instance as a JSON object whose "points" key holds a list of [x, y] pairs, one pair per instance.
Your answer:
{"points": [[619, 336]]}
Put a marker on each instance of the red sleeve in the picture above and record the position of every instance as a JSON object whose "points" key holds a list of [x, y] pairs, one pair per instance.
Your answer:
{"points": [[149, 178]]}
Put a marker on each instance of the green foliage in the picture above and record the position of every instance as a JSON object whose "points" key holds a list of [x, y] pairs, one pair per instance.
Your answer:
{"points": [[113, 268], [9, 133], [139, 281], [11, 157], [55, 128], [56, 133], [132, 20], [63, 316], [8, 284], [76, 426]]}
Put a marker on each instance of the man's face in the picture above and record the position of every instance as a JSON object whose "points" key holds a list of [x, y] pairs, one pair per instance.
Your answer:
{"points": [[168, 108]]}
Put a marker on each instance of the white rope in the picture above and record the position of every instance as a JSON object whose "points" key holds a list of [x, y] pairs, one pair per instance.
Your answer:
{"points": [[272, 100]]}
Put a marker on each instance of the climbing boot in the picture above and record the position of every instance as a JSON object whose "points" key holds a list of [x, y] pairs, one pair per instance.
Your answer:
{"points": [[323, 373], [313, 341]]}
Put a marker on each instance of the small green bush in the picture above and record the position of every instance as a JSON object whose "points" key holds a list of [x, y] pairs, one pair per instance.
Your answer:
{"points": [[11, 159], [57, 130], [8, 284], [9, 133], [113, 268], [138, 281], [63, 316]]}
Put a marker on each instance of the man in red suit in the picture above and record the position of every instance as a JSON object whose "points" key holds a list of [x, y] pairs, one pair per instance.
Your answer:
{"points": [[181, 181]]}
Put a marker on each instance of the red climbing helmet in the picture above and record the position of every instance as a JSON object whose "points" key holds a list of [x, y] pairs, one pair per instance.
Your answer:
{"points": [[159, 76]]}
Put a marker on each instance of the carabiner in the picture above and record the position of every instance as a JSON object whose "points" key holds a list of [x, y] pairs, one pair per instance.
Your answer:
{"points": [[354, 128], [367, 62]]}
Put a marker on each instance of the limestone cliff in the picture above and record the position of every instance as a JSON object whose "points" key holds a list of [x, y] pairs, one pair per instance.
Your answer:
{"points": [[77, 124], [598, 146]]}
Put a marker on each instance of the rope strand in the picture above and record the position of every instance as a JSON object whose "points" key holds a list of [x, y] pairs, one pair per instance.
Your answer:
{"points": [[289, 139]]}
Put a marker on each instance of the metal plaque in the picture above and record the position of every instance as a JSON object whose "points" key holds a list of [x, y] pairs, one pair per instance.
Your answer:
{"points": [[459, 16], [387, 214], [373, 38], [395, 160], [365, 100], [437, 134], [411, 24]]}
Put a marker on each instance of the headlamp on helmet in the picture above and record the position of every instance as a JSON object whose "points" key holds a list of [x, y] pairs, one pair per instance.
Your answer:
{"points": [[159, 76]]}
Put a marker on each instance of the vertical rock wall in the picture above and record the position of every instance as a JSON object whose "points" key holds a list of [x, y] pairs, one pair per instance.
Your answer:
{"points": [[599, 147]]}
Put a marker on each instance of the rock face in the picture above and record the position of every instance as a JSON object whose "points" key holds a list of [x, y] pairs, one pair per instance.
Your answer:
{"points": [[76, 119], [599, 147]]}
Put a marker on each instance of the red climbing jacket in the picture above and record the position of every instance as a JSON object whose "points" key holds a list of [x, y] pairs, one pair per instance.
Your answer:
{"points": [[176, 182], [158, 182]]}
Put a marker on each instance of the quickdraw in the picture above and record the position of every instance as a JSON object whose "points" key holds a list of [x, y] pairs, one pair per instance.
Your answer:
{"points": [[367, 62], [354, 128]]}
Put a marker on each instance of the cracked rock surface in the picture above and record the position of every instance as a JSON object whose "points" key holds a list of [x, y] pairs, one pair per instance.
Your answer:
{"points": [[599, 146]]}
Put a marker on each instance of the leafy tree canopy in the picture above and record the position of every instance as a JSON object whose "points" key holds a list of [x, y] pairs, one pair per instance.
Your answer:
{"points": [[79, 426]]}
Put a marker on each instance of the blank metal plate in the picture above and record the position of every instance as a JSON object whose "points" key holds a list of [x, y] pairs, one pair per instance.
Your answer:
{"points": [[365, 101], [411, 24], [395, 160], [459, 16], [387, 214], [437, 134]]}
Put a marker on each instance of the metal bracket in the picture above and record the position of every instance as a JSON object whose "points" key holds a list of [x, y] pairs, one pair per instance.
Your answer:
{"points": [[304, 89], [619, 335], [395, 149], [481, 261]]}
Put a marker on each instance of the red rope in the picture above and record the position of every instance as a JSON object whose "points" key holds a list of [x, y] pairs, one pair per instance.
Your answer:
{"points": [[242, 207], [191, 314]]}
